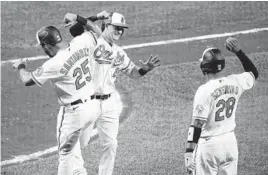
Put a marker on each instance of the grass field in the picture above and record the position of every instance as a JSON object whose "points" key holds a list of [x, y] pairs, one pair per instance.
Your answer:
{"points": [[152, 137]]}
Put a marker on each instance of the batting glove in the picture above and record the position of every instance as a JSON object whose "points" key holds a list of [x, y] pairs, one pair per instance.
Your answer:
{"points": [[70, 19], [189, 162], [232, 45], [21, 64], [103, 15]]}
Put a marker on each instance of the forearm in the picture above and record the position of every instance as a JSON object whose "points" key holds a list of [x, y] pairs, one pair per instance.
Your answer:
{"points": [[194, 134], [88, 24], [247, 63], [26, 77], [138, 72], [190, 146]]}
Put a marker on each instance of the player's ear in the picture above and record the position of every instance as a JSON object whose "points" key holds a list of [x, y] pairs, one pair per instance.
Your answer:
{"points": [[103, 25]]}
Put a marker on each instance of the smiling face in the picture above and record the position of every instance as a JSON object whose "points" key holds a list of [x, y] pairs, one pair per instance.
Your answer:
{"points": [[115, 32]]}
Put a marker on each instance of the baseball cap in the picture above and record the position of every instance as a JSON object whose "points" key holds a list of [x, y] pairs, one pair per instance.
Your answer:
{"points": [[118, 19], [48, 35]]}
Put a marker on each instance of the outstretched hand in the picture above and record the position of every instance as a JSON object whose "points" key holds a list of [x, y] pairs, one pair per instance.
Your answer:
{"points": [[150, 64]]}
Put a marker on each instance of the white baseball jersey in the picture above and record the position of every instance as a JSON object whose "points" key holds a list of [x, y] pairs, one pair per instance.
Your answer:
{"points": [[216, 102], [69, 71], [111, 60]]}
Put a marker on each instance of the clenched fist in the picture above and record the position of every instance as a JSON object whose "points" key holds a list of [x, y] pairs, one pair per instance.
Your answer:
{"points": [[232, 45], [70, 19], [103, 15], [20, 64]]}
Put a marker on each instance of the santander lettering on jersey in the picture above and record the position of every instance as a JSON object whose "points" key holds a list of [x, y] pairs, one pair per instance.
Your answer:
{"points": [[104, 56], [227, 89], [73, 59]]}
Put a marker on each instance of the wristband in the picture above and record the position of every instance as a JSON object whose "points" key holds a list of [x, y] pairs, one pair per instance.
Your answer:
{"points": [[21, 66], [81, 20], [194, 134], [189, 150], [142, 72], [93, 18]]}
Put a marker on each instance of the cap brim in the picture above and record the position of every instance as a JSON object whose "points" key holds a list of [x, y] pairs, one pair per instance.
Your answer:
{"points": [[120, 25]]}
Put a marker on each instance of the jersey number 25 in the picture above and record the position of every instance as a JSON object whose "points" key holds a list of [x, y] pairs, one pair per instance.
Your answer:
{"points": [[228, 105], [79, 73]]}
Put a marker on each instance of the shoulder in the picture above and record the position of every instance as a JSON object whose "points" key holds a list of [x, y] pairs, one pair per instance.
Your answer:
{"points": [[57, 61], [90, 35], [203, 91], [241, 75], [85, 37], [203, 88]]}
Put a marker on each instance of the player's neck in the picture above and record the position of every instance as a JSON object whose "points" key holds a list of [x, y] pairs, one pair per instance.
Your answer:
{"points": [[214, 76], [62, 45]]}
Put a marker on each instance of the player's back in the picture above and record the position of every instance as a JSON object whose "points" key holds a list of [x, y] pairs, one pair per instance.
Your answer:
{"points": [[70, 70], [222, 97]]}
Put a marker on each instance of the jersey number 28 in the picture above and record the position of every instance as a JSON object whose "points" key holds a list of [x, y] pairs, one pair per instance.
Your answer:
{"points": [[227, 105], [79, 72]]}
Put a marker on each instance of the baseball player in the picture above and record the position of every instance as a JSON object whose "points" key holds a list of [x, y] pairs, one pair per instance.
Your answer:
{"points": [[211, 134], [110, 59], [69, 70]]}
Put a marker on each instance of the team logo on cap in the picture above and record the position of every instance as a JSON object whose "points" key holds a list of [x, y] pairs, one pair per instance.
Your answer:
{"points": [[122, 19], [58, 37]]}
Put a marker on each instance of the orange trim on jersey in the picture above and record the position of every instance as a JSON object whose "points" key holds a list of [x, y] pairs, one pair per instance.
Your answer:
{"points": [[62, 118], [94, 37], [35, 80], [199, 117]]}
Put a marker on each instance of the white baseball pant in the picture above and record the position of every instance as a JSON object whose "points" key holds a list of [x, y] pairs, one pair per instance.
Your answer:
{"points": [[107, 125], [217, 155], [71, 121]]}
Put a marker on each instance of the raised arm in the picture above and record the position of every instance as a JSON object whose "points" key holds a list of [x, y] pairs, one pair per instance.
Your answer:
{"points": [[87, 23], [233, 45]]}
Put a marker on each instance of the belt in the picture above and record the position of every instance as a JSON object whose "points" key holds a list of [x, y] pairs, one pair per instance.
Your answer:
{"points": [[76, 102], [98, 97]]}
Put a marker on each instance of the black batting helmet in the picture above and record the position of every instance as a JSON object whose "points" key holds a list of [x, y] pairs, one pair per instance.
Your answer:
{"points": [[212, 61], [48, 35]]}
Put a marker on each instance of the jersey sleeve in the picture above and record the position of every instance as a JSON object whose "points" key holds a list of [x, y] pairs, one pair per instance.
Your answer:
{"points": [[201, 105], [246, 80], [127, 66], [46, 72], [89, 37]]}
